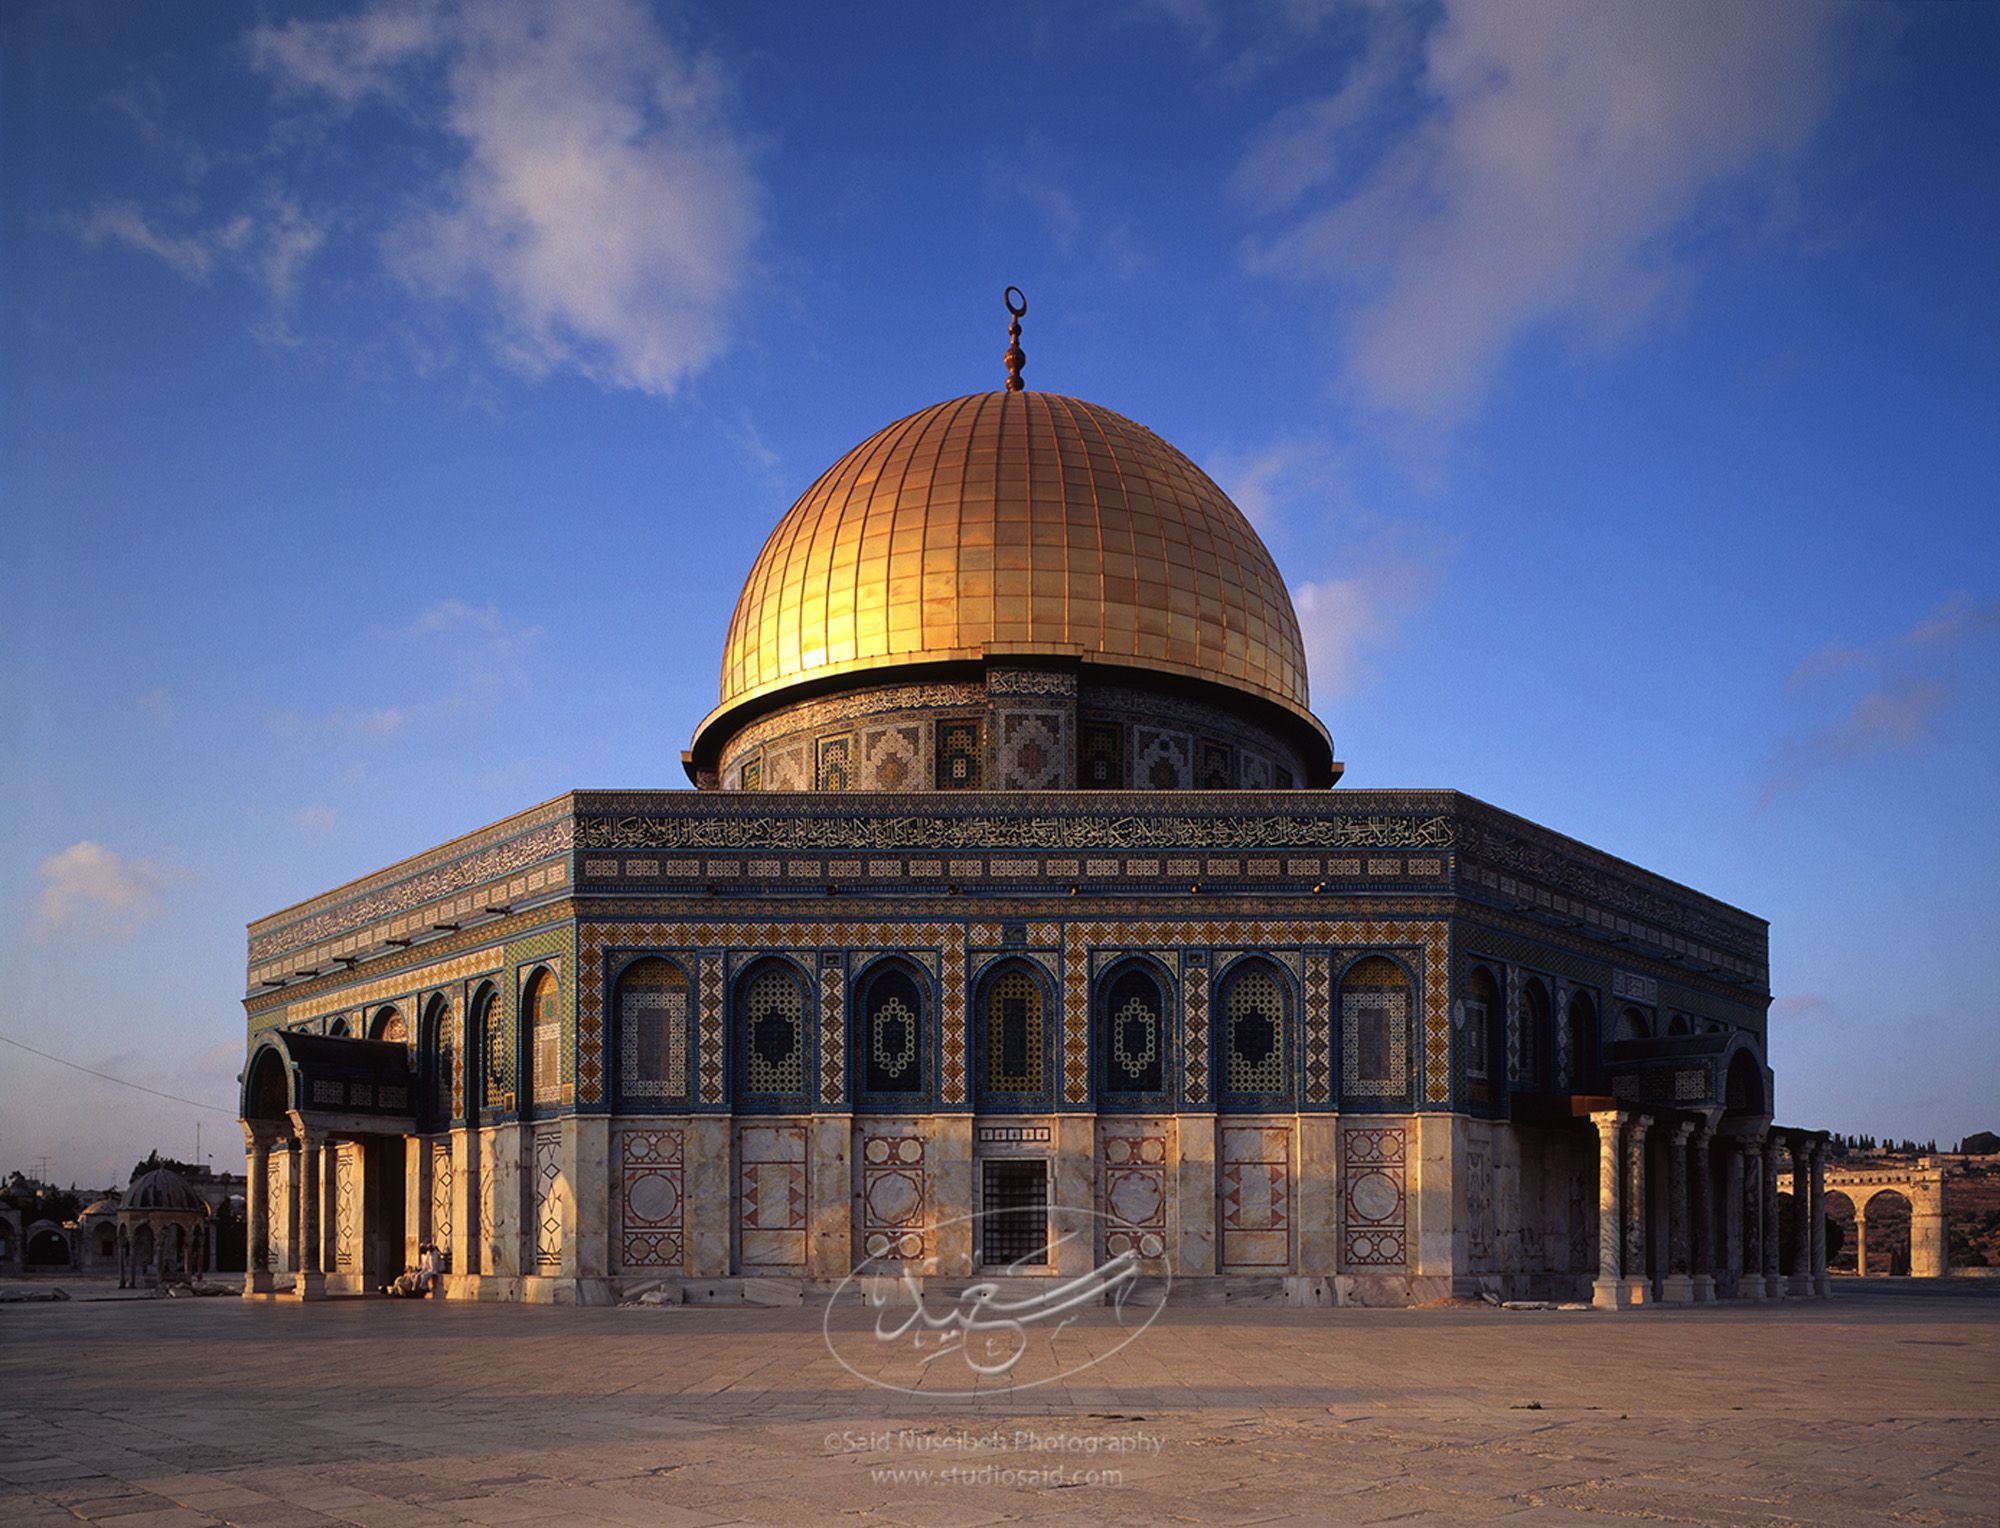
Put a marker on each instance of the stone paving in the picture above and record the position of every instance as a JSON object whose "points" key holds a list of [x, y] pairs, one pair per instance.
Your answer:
{"points": [[1880, 1406]]}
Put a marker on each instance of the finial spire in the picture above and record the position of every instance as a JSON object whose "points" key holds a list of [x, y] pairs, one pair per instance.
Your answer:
{"points": [[1017, 304]]}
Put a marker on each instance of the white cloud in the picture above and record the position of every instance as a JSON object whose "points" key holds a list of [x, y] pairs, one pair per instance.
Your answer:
{"points": [[193, 254], [600, 205], [317, 819], [1526, 164], [1296, 493], [272, 243], [1347, 622], [94, 890], [1911, 687]]}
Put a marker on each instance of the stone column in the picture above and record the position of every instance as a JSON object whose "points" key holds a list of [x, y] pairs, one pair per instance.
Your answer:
{"points": [[1930, 1256], [311, 1283], [1701, 1210], [1638, 1284], [1774, 1282], [1822, 1285], [1607, 1293], [1860, 1241], [1731, 1250], [1678, 1286], [257, 1277], [1801, 1285], [1751, 1285]]}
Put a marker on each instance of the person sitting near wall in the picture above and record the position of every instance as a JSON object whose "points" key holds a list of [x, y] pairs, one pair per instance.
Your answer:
{"points": [[415, 1283]]}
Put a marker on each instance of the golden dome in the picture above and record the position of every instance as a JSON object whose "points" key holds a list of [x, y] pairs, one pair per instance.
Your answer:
{"points": [[1012, 524]]}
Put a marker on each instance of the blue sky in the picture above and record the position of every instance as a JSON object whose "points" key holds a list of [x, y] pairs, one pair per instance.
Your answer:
{"points": [[392, 399]]}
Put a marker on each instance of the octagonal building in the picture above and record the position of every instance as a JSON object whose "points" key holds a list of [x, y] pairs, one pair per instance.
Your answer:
{"points": [[1016, 875]]}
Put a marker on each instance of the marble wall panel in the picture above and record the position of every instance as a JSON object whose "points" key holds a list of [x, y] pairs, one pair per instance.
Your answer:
{"points": [[1256, 1196], [771, 1198]]}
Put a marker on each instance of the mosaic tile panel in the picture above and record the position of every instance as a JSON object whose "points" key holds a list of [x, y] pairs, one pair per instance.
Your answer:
{"points": [[904, 937], [772, 1033], [771, 1197], [550, 1192], [1161, 761], [1076, 1021], [579, 1060], [1133, 1169], [1513, 1022], [892, 758], [1373, 1200], [1254, 1039], [1033, 750], [652, 1179], [1268, 934], [832, 1033], [1319, 1017], [1194, 1043], [960, 756], [1101, 756], [833, 770], [653, 1031], [1374, 1040], [895, 1226], [710, 998], [1256, 1196]]}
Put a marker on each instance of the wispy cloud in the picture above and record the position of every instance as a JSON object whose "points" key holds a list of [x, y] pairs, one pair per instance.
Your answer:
{"points": [[479, 653], [317, 819], [598, 204], [1911, 686], [1525, 165], [1069, 227], [271, 244], [1296, 493], [93, 890]]}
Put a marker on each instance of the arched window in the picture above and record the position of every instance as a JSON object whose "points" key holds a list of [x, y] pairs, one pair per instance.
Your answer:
{"points": [[388, 1025], [1633, 1025], [337, 1028], [1677, 1024], [1375, 1009], [1255, 1034], [1482, 1021], [652, 1011], [889, 1033], [439, 1062], [771, 1036], [1536, 1036], [1132, 1035], [542, 1007], [1582, 1044], [1014, 1050], [495, 1071]]}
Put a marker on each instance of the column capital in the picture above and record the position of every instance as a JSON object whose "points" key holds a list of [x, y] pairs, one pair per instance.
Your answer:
{"points": [[1682, 1131], [1608, 1119], [261, 1132], [1639, 1123]]}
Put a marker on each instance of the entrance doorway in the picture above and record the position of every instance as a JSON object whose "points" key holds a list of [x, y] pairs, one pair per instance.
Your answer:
{"points": [[1014, 1230]]}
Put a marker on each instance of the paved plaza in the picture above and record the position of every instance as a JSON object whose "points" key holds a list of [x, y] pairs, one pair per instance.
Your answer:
{"points": [[1880, 1406]]}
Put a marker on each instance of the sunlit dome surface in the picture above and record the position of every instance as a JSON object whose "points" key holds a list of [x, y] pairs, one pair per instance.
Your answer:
{"points": [[1014, 523]]}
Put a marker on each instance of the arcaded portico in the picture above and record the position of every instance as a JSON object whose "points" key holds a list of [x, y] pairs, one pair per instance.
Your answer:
{"points": [[1015, 876]]}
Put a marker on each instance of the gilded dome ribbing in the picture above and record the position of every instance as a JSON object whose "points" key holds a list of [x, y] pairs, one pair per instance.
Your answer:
{"points": [[1005, 524]]}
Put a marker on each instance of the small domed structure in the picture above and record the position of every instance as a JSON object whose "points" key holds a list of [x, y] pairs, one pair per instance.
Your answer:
{"points": [[163, 1233], [163, 1189]]}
